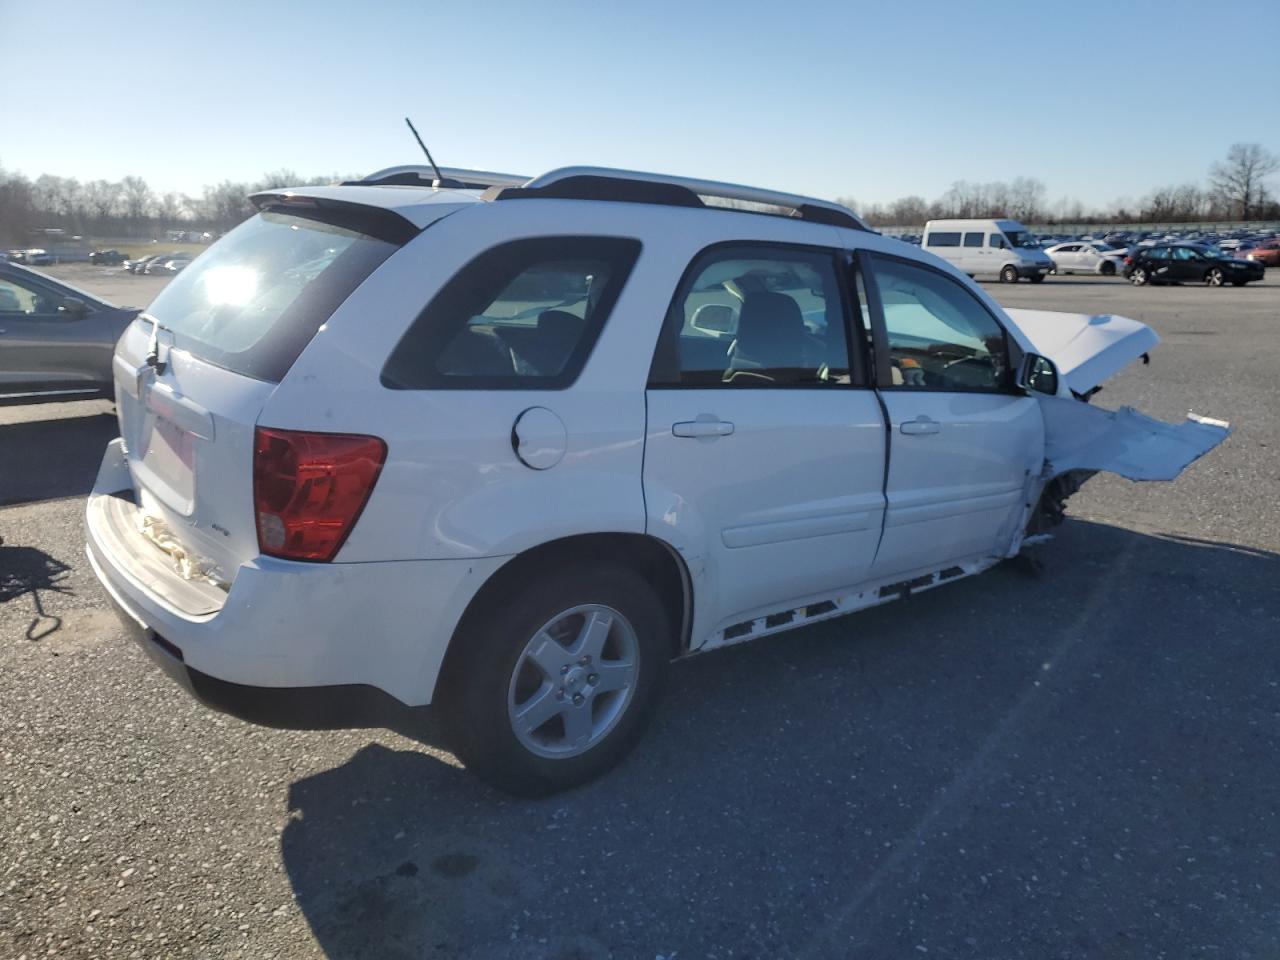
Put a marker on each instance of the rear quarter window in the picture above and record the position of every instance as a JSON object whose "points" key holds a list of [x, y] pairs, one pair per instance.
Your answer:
{"points": [[522, 315], [254, 300]]}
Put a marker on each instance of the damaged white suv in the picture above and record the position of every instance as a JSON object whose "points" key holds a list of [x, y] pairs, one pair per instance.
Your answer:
{"points": [[507, 447]]}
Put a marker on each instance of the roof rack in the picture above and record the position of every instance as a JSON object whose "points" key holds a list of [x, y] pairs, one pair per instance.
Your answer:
{"points": [[604, 183], [422, 175]]}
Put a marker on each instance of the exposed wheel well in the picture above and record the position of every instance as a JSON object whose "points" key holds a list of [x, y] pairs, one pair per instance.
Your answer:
{"points": [[657, 562]]}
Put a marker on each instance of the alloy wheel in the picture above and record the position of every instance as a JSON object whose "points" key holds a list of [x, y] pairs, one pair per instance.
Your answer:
{"points": [[573, 681]]}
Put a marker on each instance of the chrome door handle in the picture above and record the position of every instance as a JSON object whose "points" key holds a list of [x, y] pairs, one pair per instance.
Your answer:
{"points": [[920, 426], [702, 428]]}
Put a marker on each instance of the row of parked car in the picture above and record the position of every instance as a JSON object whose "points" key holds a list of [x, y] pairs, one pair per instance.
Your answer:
{"points": [[164, 264], [1007, 250]]}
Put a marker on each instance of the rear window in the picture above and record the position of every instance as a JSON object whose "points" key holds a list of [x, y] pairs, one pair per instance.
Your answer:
{"points": [[254, 300]]}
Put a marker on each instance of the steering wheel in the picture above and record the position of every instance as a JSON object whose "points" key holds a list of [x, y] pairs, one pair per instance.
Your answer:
{"points": [[975, 371]]}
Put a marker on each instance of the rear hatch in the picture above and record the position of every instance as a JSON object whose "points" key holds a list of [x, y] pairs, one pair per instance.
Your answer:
{"points": [[194, 371]]}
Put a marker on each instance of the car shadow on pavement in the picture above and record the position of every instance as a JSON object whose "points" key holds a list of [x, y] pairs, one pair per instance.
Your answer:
{"points": [[27, 571], [48, 459], [1057, 758]]}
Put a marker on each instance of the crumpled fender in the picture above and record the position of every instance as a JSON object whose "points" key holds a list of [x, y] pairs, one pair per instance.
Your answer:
{"points": [[1080, 436]]}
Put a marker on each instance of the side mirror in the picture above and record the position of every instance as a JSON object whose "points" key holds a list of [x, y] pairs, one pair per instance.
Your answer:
{"points": [[1038, 374], [73, 308]]}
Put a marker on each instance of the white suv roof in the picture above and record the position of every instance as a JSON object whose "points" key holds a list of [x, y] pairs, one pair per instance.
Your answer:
{"points": [[411, 191]]}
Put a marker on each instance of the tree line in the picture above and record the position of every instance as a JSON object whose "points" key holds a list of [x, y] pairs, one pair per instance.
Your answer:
{"points": [[127, 207], [1236, 190]]}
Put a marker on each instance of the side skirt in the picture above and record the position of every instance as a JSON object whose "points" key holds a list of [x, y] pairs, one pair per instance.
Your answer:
{"points": [[843, 602]]}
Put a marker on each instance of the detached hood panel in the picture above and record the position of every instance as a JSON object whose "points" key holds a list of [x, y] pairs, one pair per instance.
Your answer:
{"points": [[1080, 436], [1087, 348]]}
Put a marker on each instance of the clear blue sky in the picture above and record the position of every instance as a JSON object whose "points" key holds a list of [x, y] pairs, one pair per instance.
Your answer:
{"points": [[871, 100]]}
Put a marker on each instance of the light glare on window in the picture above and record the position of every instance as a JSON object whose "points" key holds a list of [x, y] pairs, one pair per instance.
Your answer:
{"points": [[233, 286]]}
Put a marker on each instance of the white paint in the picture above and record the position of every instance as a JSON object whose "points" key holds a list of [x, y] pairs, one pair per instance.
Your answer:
{"points": [[787, 508]]}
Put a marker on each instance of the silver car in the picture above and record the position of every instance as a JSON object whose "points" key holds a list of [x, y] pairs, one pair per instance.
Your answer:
{"points": [[1086, 256], [56, 341]]}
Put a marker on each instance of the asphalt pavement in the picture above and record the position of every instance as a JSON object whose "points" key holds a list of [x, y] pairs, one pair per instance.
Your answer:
{"points": [[1070, 756]]}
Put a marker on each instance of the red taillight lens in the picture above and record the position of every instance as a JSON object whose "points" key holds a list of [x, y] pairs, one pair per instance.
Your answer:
{"points": [[309, 489], [1128, 260]]}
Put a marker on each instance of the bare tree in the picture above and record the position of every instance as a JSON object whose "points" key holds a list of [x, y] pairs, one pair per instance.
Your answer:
{"points": [[138, 200], [103, 199], [1026, 200], [169, 208], [1239, 179]]}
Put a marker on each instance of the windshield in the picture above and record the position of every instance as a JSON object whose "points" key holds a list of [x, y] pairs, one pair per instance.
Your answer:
{"points": [[1022, 238], [254, 299]]}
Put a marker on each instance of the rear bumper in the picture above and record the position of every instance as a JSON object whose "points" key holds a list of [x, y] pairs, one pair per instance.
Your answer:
{"points": [[290, 640], [295, 708]]}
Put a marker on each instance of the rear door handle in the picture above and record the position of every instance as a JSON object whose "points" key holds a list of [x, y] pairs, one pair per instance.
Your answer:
{"points": [[702, 428], [919, 426]]}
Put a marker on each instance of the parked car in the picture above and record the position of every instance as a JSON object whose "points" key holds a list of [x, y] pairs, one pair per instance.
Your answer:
{"points": [[38, 258], [503, 456], [993, 248], [109, 258], [1189, 263], [1266, 253], [136, 264], [56, 341], [167, 264], [1093, 256]]}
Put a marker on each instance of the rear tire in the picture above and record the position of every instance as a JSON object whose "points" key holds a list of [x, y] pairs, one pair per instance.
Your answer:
{"points": [[1108, 269], [1009, 274], [1139, 277], [531, 656]]}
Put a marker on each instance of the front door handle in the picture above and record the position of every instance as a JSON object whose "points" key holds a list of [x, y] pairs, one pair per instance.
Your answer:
{"points": [[702, 428], [919, 426]]}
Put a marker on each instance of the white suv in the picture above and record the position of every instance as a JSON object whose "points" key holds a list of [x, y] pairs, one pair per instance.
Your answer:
{"points": [[507, 447]]}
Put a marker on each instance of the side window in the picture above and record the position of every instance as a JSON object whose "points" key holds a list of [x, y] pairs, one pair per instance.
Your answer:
{"points": [[16, 298], [940, 336], [523, 315], [997, 241], [1158, 253], [942, 239], [755, 316], [973, 239], [1185, 253]]}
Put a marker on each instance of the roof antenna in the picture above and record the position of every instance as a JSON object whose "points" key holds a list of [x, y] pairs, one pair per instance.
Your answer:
{"points": [[440, 180]]}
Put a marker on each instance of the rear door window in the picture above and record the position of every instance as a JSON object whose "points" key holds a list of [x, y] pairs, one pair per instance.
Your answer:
{"points": [[756, 316], [254, 300], [523, 315]]}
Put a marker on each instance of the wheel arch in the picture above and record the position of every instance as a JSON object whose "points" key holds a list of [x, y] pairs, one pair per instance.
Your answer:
{"points": [[654, 559]]}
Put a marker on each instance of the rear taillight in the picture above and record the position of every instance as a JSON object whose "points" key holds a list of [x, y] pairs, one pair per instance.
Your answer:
{"points": [[309, 489], [1128, 260]]}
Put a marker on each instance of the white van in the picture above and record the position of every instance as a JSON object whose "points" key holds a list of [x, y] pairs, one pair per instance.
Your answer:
{"points": [[993, 248]]}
